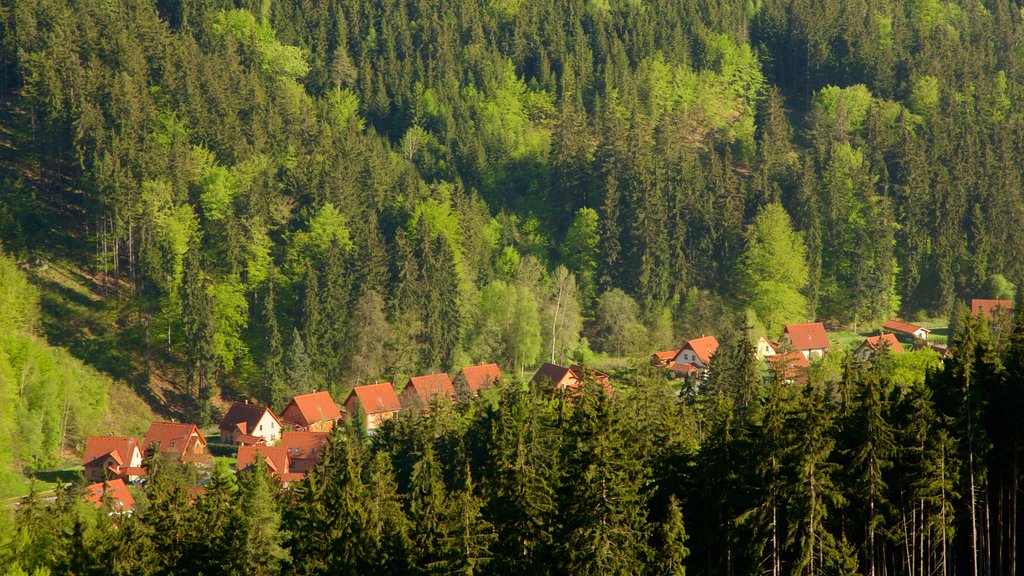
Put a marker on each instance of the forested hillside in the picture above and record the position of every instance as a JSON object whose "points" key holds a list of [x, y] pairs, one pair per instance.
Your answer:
{"points": [[273, 197], [387, 187]]}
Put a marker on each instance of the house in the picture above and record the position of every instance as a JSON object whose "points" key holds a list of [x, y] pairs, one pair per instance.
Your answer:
{"points": [[378, 401], [684, 371], [182, 442], [663, 359], [942, 351], [420, 391], [476, 378], [116, 492], [568, 380], [276, 458], [304, 449], [791, 366], [248, 424], [911, 331], [697, 352], [108, 457], [989, 307], [875, 343], [766, 347], [315, 412], [693, 358], [809, 339]]}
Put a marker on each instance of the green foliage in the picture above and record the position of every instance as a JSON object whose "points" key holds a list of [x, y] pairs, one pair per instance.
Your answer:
{"points": [[773, 270]]}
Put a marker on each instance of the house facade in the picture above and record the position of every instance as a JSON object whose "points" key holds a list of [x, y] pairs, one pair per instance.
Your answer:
{"points": [[379, 403], [109, 457], [182, 442], [315, 412], [304, 449], [249, 424], [810, 339]]}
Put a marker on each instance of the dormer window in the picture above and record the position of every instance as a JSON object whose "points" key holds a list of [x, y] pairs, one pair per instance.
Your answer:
{"points": [[172, 443]]}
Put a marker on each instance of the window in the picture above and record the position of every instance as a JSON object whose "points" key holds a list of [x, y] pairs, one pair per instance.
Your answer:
{"points": [[172, 443], [261, 427]]}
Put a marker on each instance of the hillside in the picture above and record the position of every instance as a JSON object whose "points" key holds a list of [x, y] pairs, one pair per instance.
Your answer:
{"points": [[204, 201]]}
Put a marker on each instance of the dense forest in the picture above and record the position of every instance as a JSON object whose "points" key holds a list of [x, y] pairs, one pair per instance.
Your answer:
{"points": [[272, 197]]}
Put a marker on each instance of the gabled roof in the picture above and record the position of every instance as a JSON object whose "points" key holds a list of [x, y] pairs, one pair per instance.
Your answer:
{"points": [[552, 374], [120, 498], [704, 347], [666, 354], [875, 343], [164, 434], [809, 336], [988, 307], [120, 447], [276, 458], [903, 327], [303, 444], [313, 408], [376, 398], [430, 385], [245, 417], [479, 377], [685, 369]]}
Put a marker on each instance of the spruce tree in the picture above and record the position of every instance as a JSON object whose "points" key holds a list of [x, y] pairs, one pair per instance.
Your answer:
{"points": [[299, 373]]}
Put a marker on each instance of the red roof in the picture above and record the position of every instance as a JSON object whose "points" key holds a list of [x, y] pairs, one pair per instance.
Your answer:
{"points": [[980, 306], [171, 437], [479, 377], [245, 417], [809, 336], [666, 354], [875, 343], [303, 444], [376, 398], [121, 447], [792, 365], [903, 327], [704, 347], [310, 409], [554, 375], [120, 498], [430, 385], [276, 458], [685, 369]]}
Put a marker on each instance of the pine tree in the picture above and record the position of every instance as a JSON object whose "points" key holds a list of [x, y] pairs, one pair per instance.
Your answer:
{"points": [[275, 390], [262, 539], [602, 496], [299, 373], [671, 551], [197, 308]]}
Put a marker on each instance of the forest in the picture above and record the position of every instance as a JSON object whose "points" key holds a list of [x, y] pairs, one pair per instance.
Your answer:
{"points": [[210, 200]]}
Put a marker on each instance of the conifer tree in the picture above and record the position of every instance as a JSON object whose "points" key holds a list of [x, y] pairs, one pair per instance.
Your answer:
{"points": [[299, 373], [262, 539]]}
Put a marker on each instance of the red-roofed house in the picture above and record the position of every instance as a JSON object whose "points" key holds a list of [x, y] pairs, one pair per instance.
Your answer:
{"points": [[873, 344], [182, 442], [112, 457], [421, 390], [378, 401], [908, 330], [248, 424], [809, 339], [303, 448], [276, 458], [568, 380], [684, 371], [697, 352], [766, 347], [791, 366], [989, 307], [663, 358], [476, 378], [120, 498], [315, 412]]}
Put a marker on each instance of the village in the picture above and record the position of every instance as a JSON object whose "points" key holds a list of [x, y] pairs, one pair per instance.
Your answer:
{"points": [[289, 443]]}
